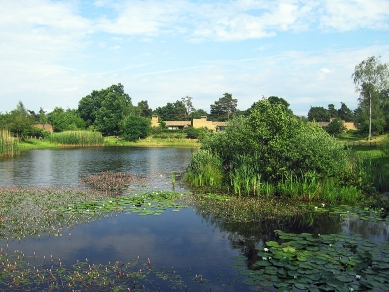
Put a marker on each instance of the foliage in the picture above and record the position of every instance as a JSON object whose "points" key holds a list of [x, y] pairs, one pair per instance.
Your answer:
{"points": [[268, 146], [336, 126], [205, 169], [77, 138], [314, 262], [222, 109], [68, 120], [189, 108], [133, 128], [104, 109], [384, 145], [144, 109], [172, 111], [196, 133], [20, 122], [371, 77], [318, 114], [345, 114], [9, 145]]}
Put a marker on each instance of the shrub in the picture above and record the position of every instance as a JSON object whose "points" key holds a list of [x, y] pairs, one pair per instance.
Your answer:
{"points": [[272, 144]]}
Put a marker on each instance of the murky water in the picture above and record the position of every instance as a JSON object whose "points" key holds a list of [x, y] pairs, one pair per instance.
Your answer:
{"points": [[187, 241]]}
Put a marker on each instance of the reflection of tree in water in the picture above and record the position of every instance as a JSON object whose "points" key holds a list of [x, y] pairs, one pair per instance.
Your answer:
{"points": [[247, 236], [376, 231]]}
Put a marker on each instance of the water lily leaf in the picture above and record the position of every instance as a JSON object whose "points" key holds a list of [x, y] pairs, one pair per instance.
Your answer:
{"points": [[272, 243], [289, 249]]}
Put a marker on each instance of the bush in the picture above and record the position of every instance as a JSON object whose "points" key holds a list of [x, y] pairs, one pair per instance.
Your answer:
{"points": [[384, 146], [272, 144], [133, 128]]}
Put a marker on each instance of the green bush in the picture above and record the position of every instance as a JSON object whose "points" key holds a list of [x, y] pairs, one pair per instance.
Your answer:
{"points": [[270, 145]]}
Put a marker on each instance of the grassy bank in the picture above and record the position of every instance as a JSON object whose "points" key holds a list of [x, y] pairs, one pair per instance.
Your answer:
{"points": [[151, 141]]}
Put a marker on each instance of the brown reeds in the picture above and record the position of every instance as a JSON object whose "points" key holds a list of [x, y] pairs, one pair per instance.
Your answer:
{"points": [[9, 145]]}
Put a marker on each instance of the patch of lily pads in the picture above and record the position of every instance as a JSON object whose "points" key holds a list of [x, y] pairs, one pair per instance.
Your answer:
{"points": [[149, 203], [335, 262]]}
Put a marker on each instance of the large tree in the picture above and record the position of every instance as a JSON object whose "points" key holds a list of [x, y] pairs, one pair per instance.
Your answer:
{"points": [[371, 76], [345, 114], [318, 114], [172, 111], [20, 122], [187, 101], [222, 109], [104, 109], [62, 120]]}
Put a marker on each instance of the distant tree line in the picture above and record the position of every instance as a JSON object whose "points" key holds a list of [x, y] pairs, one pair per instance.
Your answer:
{"points": [[112, 112]]}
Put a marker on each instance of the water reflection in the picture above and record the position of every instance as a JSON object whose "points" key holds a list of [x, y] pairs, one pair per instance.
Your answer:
{"points": [[64, 167]]}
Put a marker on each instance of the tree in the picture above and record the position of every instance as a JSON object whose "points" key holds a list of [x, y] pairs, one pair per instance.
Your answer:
{"points": [[371, 76], [333, 112], [222, 109], [133, 128], [172, 111], [62, 120], [197, 114], [187, 101], [318, 114], [20, 122], [104, 109], [345, 114], [144, 109], [335, 127]]}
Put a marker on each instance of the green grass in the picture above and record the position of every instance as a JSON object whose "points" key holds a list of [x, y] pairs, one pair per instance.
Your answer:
{"points": [[168, 141], [37, 144]]}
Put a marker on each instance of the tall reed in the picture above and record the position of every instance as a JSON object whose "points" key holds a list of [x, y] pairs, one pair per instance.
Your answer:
{"points": [[78, 138], [9, 145]]}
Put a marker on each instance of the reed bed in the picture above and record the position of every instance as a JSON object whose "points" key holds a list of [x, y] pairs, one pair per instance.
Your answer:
{"points": [[9, 145], [78, 138]]}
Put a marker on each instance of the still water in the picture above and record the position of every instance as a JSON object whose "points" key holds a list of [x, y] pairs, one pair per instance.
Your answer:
{"points": [[187, 241]]}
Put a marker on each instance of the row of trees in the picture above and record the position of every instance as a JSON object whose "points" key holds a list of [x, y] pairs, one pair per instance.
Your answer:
{"points": [[111, 111]]}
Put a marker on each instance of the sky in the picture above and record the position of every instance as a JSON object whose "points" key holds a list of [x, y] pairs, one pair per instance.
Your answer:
{"points": [[53, 52]]}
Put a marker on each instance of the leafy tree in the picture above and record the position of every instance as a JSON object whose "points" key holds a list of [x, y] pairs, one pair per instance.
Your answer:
{"points": [[20, 122], [371, 76], [42, 116], [189, 108], [197, 114], [144, 109], [133, 127], [113, 109], [273, 100], [222, 109], [318, 114], [172, 111], [105, 108], [333, 112], [345, 114], [62, 120], [336, 126]]}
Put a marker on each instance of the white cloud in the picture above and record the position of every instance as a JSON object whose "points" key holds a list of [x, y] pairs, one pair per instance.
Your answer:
{"points": [[352, 14]]}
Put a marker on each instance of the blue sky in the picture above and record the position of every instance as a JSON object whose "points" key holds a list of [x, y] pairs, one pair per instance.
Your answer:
{"points": [[53, 53]]}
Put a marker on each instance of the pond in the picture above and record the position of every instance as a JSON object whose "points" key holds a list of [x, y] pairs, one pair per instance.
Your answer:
{"points": [[205, 251]]}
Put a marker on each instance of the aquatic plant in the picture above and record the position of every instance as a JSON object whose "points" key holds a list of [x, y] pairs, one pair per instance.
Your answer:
{"points": [[9, 145], [21, 272], [78, 138], [245, 209], [334, 262], [28, 211]]}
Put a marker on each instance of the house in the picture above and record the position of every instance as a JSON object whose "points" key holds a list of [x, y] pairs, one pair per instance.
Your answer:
{"points": [[197, 123]]}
